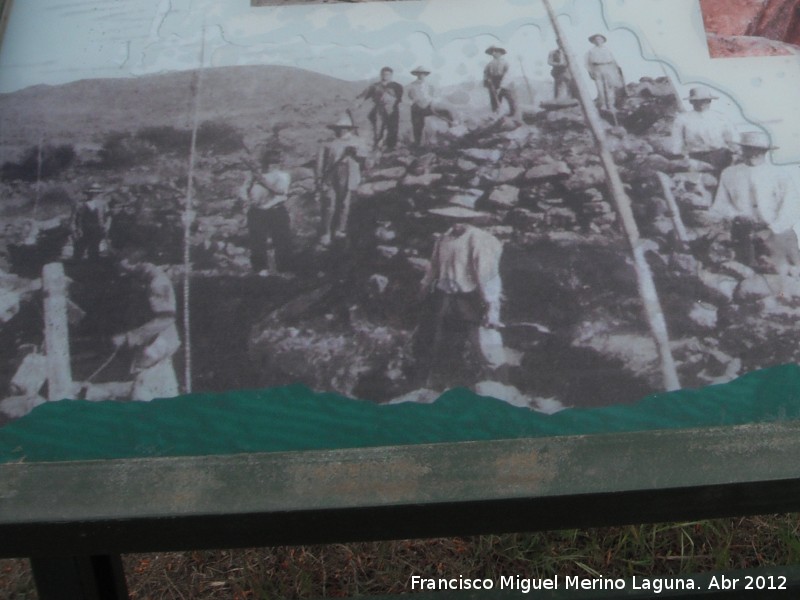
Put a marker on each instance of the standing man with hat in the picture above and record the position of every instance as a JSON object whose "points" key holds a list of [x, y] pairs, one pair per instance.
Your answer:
{"points": [[495, 79], [338, 173], [385, 114], [90, 223], [563, 84], [606, 73], [424, 104], [704, 134], [462, 290], [763, 204], [266, 194]]}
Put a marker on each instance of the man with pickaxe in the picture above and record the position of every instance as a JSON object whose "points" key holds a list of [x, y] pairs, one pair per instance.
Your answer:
{"points": [[495, 79]]}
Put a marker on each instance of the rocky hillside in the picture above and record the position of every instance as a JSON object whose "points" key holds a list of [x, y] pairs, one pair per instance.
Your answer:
{"points": [[344, 319]]}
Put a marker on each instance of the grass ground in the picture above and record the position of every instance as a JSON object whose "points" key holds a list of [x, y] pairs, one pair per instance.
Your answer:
{"points": [[386, 567]]}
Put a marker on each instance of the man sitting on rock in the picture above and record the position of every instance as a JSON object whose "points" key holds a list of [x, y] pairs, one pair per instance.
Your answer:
{"points": [[496, 80], [462, 290], [704, 134], [763, 205], [154, 342]]}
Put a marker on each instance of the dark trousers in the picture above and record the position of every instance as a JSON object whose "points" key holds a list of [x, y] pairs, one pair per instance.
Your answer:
{"points": [[385, 127], [88, 243], [446, 347], [418, 116], [264, 225], [506, 94], [720, 159], [756, 245]]}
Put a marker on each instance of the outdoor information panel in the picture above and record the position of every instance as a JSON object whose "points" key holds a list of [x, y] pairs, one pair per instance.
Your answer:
{"points": [[557, 208]]}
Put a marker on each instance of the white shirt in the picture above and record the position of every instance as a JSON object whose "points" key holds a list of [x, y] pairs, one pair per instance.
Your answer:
{"points": [[762, 193], [695, 131], [420, 93], [465, 263], [278, 182]]}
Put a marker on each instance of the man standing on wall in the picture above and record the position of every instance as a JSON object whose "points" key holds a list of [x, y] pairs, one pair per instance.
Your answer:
{"points": [[385, 113], [563, 84], [338, 174], [606, 74], [424, 104], [495, 79]]}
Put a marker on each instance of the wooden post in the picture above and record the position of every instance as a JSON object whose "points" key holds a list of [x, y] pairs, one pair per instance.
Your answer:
{"points": [[644, 278], [56, 332], [674, 209]]}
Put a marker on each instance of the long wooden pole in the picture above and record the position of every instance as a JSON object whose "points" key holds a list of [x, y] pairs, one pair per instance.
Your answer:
{"points": [[56, 332], [674, 209], [644, 277], [188, 219]]}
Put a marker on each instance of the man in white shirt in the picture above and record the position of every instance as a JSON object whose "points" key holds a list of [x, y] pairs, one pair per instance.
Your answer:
{"points": [[606, 74], [763, 204], [424, 104], [462, 289], [704, 134], [267, 218]]}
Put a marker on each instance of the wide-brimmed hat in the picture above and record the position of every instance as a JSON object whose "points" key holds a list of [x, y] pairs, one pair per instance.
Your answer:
{"points": [[700, 94], [492, 49], [459, 213], [756, 139], [597, 35], [94, 188], [420, 71], [344, 122]]}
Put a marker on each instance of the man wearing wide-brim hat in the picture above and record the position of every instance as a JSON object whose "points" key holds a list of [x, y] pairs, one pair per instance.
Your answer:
{"points": [[606, 73], [424, 104], [704, 134], [496, 80], [763, 205], [337, 174], [90, 222], [462, 291]]}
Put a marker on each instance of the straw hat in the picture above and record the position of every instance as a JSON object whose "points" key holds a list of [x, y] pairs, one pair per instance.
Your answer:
{"points": [[700, 94], [492, 49], [756, 139], [458, 212], [597, 35], [95, 188], [344, 122], [420, 71]]}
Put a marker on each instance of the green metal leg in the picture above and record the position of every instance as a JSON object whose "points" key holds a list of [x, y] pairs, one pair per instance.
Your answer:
{"points": [[98, 577]]}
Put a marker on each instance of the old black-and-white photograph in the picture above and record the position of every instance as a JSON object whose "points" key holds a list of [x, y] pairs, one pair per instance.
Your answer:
{"points": [[384, 200]]}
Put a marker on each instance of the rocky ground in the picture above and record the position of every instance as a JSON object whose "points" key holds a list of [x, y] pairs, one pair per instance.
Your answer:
{"points": [[345, 319]]}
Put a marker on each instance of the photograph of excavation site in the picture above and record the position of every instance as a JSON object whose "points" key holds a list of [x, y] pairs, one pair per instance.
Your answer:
{"points": [[530, 210]]}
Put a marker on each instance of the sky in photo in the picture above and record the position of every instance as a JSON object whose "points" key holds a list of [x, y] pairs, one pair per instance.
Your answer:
{"points": [[131, 38]]}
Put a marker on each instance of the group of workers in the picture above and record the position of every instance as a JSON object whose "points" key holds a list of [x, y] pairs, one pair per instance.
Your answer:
{"points": [[462, 286]]}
